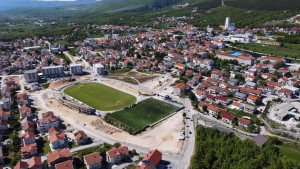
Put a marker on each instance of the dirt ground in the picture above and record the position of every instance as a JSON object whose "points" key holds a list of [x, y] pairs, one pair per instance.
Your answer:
{"points": [[139, 76], [163, 136]]}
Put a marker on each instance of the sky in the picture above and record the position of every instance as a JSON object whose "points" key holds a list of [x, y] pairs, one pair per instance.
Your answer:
{"points": [[11, 4]]}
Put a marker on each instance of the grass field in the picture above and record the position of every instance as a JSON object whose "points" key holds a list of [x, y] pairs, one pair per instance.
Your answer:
{"points": [[143, 114], [288, 50], [292, 152], [100, 97]]}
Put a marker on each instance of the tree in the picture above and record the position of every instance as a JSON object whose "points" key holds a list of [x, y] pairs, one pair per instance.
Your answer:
{"points": [[133, 152], [258, 101], [184, 114], [204, 108], [279, 64], [117, 145], [126, 158], [192, 96]]}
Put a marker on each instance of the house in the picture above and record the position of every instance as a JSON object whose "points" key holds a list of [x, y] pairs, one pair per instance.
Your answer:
{"points": [[25, 111], [3, 125], [28, 127], [47, 121], [250, 109], [65, 165], [244, 122], [222, 99], [28, 138], [35, 163], [210, 97], [93, 160], [227, 117], [116, 155], [213, 89], [143, 167], [251, 85], [285, 93], [21, 165], [80, 137], [201, 105], [251, 99], [200, 95], [181, 88], [236, 106], [59, 156], [152, 158], [213, 110], [23, 99], [4, 114], [260, 140], [29, 150], [58, 141], [1, 155], [180, 66]]}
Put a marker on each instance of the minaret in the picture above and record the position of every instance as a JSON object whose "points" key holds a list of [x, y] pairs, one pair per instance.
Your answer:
{"points": [[227, 22]]}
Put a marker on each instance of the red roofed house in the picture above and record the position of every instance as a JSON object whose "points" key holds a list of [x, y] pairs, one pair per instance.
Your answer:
{"points": [[28, 138], [222, 99], [58, 141], [29, 150], [180, 88], [4, 114], [116, 155], [143, 167], [80, 137], [93, 160], [251, 99], [21, 165], [35, 163], [152, 158], [65, 165], [47, 121], [180, 66], [285, 93], [3, 125], [200, 95], [244, 122], [58, 156], [213, 110], [227, 117]]}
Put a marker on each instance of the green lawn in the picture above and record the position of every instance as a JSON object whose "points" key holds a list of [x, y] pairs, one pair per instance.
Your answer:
{"points": [[143, 114], [292, 152], [100, 97], [46, 148], [289, 50]]}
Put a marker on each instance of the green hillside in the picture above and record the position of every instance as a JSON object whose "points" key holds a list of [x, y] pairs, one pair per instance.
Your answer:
{"points": [[264, 4]]}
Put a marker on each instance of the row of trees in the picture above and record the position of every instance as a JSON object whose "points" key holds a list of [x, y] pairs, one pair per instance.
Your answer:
{"points": [[216, 149]]}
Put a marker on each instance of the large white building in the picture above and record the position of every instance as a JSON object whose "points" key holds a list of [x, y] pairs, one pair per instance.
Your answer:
{"points": [[76, 69], [53, 71], [229, 26], [31, 76], [99, 69], [245, 59]]}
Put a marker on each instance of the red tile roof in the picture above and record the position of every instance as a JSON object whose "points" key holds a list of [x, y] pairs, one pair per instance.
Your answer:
{"points": [[117, 151], [226, 115], [154, 156], [65, 165], [93, 158], [35, 162]]}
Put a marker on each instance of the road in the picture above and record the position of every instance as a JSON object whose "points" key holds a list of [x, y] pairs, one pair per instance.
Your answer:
{"points": [[70, 57]]}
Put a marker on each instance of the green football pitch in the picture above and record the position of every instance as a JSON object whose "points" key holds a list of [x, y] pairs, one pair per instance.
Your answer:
{"points": [[144, 113], [100, 97]]}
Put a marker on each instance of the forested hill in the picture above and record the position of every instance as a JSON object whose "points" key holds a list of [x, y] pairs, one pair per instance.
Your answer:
{"points": [[265, 4]]}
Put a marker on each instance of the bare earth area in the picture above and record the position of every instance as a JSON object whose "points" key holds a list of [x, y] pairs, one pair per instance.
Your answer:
{"points": [[163, 136]]}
